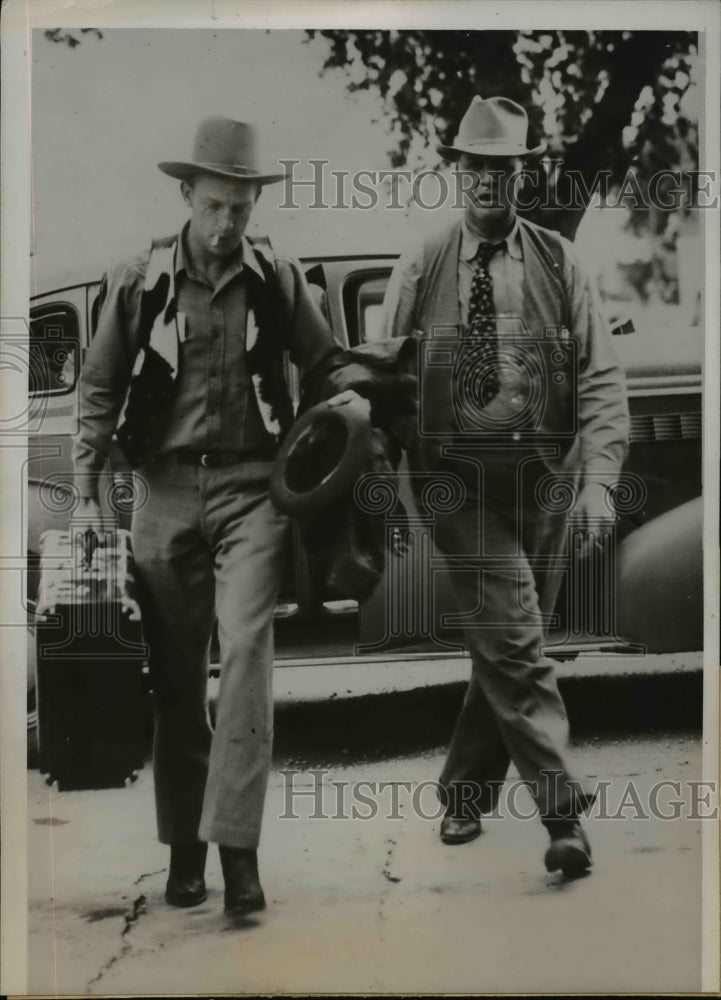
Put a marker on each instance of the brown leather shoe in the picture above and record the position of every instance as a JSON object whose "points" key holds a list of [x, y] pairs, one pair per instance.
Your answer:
{"points": [[243, 891], [459, 829], [570, 850], [186, 882]]}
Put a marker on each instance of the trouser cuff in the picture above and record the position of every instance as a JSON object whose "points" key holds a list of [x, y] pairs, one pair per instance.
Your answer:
{"points": [[466, 799]]}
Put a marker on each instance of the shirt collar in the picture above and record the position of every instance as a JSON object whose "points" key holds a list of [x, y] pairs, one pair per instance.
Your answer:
{"points": [[243, 257], [470, 242]]}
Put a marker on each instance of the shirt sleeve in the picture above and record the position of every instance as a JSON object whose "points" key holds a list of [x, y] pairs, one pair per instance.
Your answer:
{"points": [[602, 400], [106, 373], [311, 339], [399, 304]]}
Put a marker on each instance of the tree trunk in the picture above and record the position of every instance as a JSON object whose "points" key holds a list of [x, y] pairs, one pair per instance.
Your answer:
{"points": [[636, 64]]}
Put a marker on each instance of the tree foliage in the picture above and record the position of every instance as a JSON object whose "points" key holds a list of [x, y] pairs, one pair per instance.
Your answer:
{"points": [[604, 100], [69, 38]]}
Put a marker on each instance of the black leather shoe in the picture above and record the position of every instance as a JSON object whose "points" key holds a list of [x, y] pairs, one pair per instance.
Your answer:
{"points": [[459, 829], [243, 891], [570, 851], [186, 882]]}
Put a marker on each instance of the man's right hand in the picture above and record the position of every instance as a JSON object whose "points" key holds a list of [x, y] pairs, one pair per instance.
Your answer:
{"points": [[87, 517], [86, 527]]}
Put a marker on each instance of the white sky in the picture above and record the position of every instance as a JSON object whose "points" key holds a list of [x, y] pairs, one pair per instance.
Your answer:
{"points": [[106, 112]]}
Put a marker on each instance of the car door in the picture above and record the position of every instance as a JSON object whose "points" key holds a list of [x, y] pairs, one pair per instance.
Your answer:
{"points": [[406, 615], [58, 337]]}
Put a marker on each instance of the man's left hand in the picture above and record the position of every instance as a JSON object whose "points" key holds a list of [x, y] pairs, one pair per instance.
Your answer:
{"points": [[594, 510], [350, 396]]}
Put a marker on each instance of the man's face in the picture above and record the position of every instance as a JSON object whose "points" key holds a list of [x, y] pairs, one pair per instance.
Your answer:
{"points": [[488, 183], [220, 211]]}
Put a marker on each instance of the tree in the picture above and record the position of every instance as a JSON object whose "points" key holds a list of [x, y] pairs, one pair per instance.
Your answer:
{"points": [[68, 38], [605, 100]]}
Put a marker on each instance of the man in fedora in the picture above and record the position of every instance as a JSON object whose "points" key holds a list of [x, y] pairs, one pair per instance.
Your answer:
{"points": [[187, 368], [520, 394]]}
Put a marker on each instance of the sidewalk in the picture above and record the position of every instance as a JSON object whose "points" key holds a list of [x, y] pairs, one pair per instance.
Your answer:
{"points": [[374, 905]]}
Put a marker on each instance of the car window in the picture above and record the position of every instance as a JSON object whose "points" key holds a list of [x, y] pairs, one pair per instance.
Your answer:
{"points": [[54, 350], [370, 308], [363, 303]]}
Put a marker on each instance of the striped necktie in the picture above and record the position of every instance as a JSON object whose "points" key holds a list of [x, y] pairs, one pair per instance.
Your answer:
{"points": [[482, 324]]}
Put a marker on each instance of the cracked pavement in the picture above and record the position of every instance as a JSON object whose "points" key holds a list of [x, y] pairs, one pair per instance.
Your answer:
{"points": [[371, 905]]}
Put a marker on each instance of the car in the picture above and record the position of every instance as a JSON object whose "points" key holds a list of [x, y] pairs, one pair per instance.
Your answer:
{"points": [[663, 484]]}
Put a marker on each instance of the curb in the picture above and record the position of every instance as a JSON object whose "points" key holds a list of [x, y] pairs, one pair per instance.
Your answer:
{"points": [[395, 706], [402, 722]]}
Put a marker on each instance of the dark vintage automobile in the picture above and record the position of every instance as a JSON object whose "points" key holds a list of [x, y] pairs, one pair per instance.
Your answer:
{"points": [[657, 555]]}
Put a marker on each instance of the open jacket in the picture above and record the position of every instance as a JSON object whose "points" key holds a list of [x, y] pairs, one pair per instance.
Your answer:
{"points": [[135, 379]]}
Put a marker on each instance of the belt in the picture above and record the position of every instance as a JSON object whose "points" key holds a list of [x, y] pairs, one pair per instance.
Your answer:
{"points": [[216, 459]]}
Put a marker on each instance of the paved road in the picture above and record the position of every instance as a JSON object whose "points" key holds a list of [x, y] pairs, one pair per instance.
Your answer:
{"points": [[374, 905]]}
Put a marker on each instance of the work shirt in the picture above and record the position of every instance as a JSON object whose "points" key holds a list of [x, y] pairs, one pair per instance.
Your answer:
{"points": [[214, 406]]}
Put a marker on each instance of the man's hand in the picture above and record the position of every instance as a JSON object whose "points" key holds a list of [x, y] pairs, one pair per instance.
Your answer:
{"points": [[88, 515], [350, 396], [86, 527], [87, 520], [594, 511]]}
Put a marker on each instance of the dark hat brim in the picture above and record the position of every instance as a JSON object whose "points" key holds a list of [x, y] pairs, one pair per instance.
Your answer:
{"points": [[184, 170], [490, 149], [300, 451]]}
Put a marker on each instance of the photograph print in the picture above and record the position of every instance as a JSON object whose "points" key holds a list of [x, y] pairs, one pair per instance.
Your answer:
{"points": [[367, 506]]}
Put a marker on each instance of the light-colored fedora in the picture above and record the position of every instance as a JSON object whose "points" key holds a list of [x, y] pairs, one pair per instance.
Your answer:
{"points": [[496, 126], [224, 148]]}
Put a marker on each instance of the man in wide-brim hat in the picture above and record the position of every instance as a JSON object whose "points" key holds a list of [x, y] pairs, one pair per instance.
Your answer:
{"points": [[186, 367], [518, 375]]}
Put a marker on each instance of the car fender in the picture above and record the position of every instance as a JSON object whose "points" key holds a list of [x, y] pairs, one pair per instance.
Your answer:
{"points": [[660, 581]]}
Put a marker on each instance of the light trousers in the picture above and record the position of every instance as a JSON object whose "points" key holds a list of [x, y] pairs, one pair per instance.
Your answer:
{"points": [[209, 543]]}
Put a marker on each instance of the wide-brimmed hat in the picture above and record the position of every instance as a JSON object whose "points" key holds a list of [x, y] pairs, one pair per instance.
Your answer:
{"points": [[224, 148], [495, 126], [325, 452]]}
